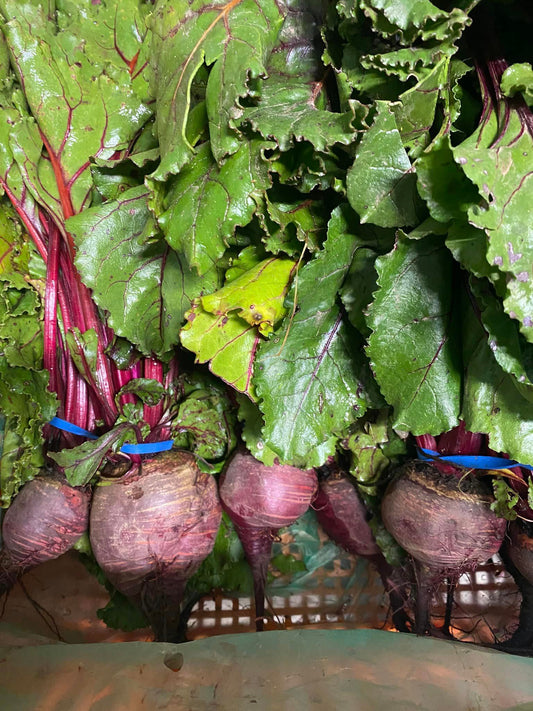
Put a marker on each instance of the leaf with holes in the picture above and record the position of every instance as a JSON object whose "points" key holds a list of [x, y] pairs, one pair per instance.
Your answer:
{"points": [[226, 342], [257, 295]]}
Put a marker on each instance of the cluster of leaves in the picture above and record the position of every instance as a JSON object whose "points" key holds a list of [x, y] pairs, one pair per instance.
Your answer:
{"points": [[347, 149]]}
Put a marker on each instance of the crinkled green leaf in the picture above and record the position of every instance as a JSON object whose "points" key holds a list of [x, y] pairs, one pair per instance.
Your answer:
{"points": [[21, 318], [351, 41], [148, 390], [258, 294], [233, 38], [121, 614], [80, 111], [300, 220], [207, 428], [505, 498], [518, 78], [416, 112], [309, 375], [140, 282], [413, 345], [502, 172], [27, 405], [415, 19], [225, 567], [292, 104], [304, 168], [206, 203], [287, 113], [381, 185], [368, 443]]}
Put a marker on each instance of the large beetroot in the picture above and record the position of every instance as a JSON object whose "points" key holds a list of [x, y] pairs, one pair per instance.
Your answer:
{"points": [[444, 522], [344, 517], [260, 500], [151, 531], [44, 521]]}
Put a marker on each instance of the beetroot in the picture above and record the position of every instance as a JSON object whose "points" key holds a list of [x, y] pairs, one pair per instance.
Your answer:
{"points": [[151, 531], [444, 522], [344, 518], [517, 553], [260, 500], [44, 521]]}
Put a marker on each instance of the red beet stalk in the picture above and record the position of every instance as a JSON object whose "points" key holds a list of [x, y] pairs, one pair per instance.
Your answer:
{"points": [[260, 500]]}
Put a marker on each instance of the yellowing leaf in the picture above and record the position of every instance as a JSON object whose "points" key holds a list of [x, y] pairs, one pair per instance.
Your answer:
{"points": [[226, 342], [258, 294]]}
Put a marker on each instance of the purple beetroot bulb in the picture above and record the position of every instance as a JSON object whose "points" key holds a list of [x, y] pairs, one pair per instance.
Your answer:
{"points": [[445, 523], [44, 521], [261, 499], [150, 532], [344, 518]]}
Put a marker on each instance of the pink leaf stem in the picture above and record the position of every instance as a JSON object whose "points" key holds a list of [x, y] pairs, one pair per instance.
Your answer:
{"points": [[153, 369]]}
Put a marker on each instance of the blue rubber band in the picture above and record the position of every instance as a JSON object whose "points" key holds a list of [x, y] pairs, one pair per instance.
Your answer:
{"points": [[143, 448], [148, 447], [69, 427], [471, 461]]}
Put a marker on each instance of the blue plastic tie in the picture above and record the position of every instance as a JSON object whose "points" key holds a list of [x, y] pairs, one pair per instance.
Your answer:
{"points": [[69, 427], [471, 461], [148, 447], [143, 448]]}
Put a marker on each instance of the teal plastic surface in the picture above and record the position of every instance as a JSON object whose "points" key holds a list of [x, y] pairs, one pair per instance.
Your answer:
{"points": [[359, 670]]}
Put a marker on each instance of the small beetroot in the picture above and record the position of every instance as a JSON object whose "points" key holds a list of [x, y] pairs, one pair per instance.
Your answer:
{"points": [[260, 500], [344, 518], [44, 521], [517, 553]]}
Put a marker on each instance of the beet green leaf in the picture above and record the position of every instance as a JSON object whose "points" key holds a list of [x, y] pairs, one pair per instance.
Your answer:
{"points": [[413, 348], [381, 185], [133, 273], [205, 203], [309, 376], [233, 38]]}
